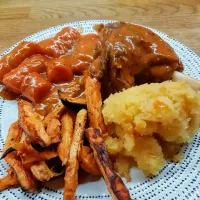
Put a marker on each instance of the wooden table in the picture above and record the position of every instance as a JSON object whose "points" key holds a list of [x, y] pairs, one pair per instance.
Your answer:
{"points": [[178, 18]]}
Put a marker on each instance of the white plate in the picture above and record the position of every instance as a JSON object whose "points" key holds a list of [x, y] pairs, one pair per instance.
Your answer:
{"points": [[179, 181]]}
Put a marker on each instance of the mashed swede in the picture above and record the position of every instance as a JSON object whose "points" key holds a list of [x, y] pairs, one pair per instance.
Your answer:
{"points": [[139, 117]]}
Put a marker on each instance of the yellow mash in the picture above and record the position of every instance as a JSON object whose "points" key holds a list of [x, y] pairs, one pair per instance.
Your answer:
{"points": [[148, 123]]}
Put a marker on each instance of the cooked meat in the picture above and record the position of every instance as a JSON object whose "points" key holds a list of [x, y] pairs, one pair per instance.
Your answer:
{"points": [[134, 55]]}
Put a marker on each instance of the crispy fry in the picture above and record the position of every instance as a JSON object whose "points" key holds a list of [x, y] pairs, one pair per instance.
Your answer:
{"points": [[53, 130], [52, 124], [23, 137], [31, 123], [14, 135], [71, 174], [114, 183], [67, 134], [23, 174], [87, 161], [29, 155], [10, 180], [94, 103], [41, 171], [55, 114]]}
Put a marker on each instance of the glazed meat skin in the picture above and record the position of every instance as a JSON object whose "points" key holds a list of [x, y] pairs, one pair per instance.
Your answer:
{"points": [[134, 55]]}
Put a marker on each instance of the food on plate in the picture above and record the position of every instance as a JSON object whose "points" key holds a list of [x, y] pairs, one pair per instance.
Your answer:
{"points": [[29, 155], [66, 135], [62, 44], [94, 103], [56, 113], [85, 52], [8, 181], [31, 123], [114, 183], [57, 82], [41, 171], [109, 56], [14, 58], [71, 173], [140, 116], [133, 54], [59, 70], [23, 173], [87, 160], [50, 62], [171, 150], [34, 87], [13, 79], [72, 103]]}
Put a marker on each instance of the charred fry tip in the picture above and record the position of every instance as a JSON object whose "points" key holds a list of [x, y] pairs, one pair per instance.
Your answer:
{"points": [[114, 183], [72, 105], [9, 150]]}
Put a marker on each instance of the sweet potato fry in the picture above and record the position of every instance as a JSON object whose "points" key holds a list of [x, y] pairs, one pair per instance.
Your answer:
{"points": [[29, 155], [53, 130], [67, 135], [55, 114], [10, 180], [87, 161], [52, 124], [41, 171], [114, 183], [23, 137], [71, 173], [94, 103], [31, 123], [23, 174], [14, 135]]}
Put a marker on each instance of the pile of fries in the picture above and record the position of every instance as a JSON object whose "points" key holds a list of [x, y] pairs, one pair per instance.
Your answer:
{"points": [[39, 149]]}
